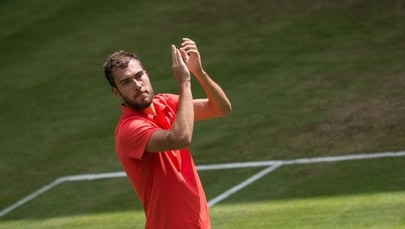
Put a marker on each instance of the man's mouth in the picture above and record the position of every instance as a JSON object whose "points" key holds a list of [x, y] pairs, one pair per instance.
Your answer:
{"points": [[141, 93]]}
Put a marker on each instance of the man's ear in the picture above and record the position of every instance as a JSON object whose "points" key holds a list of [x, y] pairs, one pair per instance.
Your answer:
{"points": [[116, 92]]}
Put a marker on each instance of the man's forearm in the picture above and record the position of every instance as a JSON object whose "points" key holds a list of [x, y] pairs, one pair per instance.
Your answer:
{"points": [[182, 128], [217, 98]]}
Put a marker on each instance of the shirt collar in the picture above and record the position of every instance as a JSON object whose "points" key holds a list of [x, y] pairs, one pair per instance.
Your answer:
{"points": [[127, 111]]}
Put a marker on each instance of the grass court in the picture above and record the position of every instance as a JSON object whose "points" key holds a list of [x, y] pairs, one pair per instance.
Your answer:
{"points": [[306, 79]]}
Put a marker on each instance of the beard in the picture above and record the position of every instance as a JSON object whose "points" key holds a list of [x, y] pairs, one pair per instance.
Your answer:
{"points": [[139, 106]]}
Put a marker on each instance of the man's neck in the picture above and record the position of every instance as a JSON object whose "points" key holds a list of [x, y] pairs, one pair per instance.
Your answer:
{"points": [[150, 110]]}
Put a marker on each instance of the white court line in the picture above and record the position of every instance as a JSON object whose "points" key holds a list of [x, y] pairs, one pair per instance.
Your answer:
{"points": [[56, 182], [276, 164], [344, 158], [243, 184], [269, 164], [351, 157]]}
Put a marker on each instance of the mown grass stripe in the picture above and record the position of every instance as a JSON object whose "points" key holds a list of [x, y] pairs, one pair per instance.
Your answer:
{"points": [[272, 165]]}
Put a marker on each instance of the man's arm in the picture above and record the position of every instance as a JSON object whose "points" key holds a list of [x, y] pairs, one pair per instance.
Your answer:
{"points": [[217, 103], [180, 135]]}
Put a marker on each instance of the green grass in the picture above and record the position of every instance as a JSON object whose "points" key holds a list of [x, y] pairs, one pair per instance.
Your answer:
{"points": [[325, 195], [305, 78], [101, 220], [384, 210]]}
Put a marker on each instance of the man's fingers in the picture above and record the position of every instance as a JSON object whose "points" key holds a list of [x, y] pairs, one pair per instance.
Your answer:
{"points": [[184, 54], [190, 49], [186, 39], [179, 57], [189, 46], [174, 54], [188, 42]]}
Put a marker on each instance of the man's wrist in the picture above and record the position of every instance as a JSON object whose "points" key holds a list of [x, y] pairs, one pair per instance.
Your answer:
{"points": [[200, 74], [185, 81]]}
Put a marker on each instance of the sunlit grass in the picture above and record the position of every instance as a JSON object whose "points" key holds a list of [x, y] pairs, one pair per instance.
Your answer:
{"points": [[125, 219], [379, 210]]}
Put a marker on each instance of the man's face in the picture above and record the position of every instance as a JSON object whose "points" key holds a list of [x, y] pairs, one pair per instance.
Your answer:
{"points": [[133, 86]]}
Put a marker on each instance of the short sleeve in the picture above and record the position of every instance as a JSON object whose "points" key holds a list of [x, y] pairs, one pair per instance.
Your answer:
{"points": [[132, 138], [172, 100]]}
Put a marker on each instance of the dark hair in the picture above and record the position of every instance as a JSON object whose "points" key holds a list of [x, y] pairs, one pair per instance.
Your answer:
{"points": [[117, 60]]}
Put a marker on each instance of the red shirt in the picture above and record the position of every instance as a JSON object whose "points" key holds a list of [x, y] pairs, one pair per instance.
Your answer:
{"points": [[166, 183]]}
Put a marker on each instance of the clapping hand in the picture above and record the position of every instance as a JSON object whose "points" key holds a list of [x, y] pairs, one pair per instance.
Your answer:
{"points": [[191, 56], [179, 66]]}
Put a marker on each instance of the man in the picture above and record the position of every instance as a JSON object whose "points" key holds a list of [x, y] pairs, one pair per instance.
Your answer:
{"points": [[155, 131]]}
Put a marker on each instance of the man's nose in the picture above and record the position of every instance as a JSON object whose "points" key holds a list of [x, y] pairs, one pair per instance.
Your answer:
{"points": [[137, 85]]}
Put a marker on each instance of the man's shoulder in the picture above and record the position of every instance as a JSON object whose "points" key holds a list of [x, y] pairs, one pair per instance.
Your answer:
{"points": [[165, 96], [166, 99]]}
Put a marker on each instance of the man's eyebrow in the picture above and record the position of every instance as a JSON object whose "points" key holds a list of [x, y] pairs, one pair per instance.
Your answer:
{"points": [[129, 77], [126, 79], [139, 73]]}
